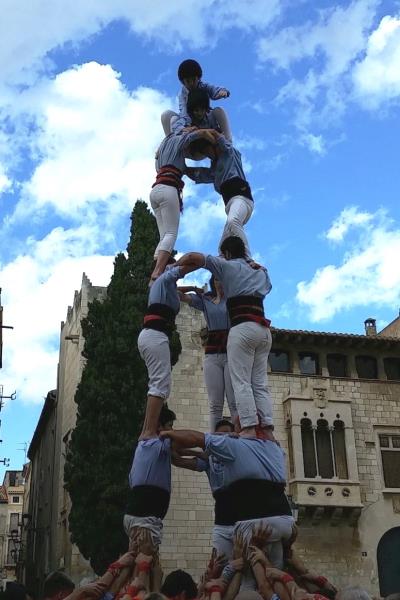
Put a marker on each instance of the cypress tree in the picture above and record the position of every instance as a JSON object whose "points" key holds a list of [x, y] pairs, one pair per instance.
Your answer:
{"points": [[111, 400]]}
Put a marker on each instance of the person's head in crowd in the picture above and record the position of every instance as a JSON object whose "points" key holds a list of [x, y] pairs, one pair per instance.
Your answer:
{"points": [[179, 585], [166, 419], [14, 591], [353, 592], [198, 105], [155, 596], [224, 426], [233, 247], [216, 288], [57, 586]]}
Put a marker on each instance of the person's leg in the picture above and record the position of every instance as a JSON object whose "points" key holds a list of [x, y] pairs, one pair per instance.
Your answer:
{"points": [[169, 214], [222, 540], [240, 351], [238, 210], [156, 195], [262, 396], [154, 349], [223, 121], [281, 530], [229, 393], [214, 380], [166, 118]]}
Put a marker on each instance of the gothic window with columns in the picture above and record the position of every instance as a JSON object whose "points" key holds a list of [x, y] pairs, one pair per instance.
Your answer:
{"points": [[324, 449]]}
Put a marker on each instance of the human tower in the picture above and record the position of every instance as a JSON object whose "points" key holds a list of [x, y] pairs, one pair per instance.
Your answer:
{"points": [[244, 463]]}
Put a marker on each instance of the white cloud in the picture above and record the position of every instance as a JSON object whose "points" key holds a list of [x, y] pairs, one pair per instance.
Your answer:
{"points": [[327, 49], [37, 288], [247, 142], [369, 273], [377, 76], [349, 217], [29, 35], [199, 223], [5, 182], [339, 35], [315, 143], [95, 142]]}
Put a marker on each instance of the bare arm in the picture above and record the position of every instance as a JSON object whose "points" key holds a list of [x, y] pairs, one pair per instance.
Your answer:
{"points": [[185, 438], [184, 463], [196, 260], [234, 586]]}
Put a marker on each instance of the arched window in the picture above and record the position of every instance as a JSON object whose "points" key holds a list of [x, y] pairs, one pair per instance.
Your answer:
{"points": [[339, 448], [324, 449], [308, 445], [388, 553]]}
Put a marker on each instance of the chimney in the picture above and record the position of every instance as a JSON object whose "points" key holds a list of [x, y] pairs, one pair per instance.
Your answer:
{"points": [[370, 326]]}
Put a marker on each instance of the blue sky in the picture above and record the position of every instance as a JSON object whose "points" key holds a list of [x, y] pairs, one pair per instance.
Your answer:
{"points": [[314, 109]]}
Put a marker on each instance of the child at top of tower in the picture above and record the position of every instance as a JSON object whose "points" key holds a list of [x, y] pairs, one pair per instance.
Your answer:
{"points": [[190, 74]]}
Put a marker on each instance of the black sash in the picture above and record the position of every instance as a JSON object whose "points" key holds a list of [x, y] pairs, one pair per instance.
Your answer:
{"points": [[224, 507], [216, 341], [235, 187], [258, 498], [148, 501], [246, 308], [159, 317]]}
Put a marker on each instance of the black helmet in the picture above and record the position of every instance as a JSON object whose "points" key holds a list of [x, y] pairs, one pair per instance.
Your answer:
{"points": [[197, 98], [189, 68]]}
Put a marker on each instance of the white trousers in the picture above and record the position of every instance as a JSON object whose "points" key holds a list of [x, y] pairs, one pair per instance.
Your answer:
{"points": [[219, 385], [238, 210], [281, 530], [153, 524], [248, 348], [154, 349], [164, 200], [222, 540]]}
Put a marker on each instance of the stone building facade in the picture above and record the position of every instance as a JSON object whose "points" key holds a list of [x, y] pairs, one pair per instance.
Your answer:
{"points": [[40, 505], [337, 414], [47, 540], [11, 503]]}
